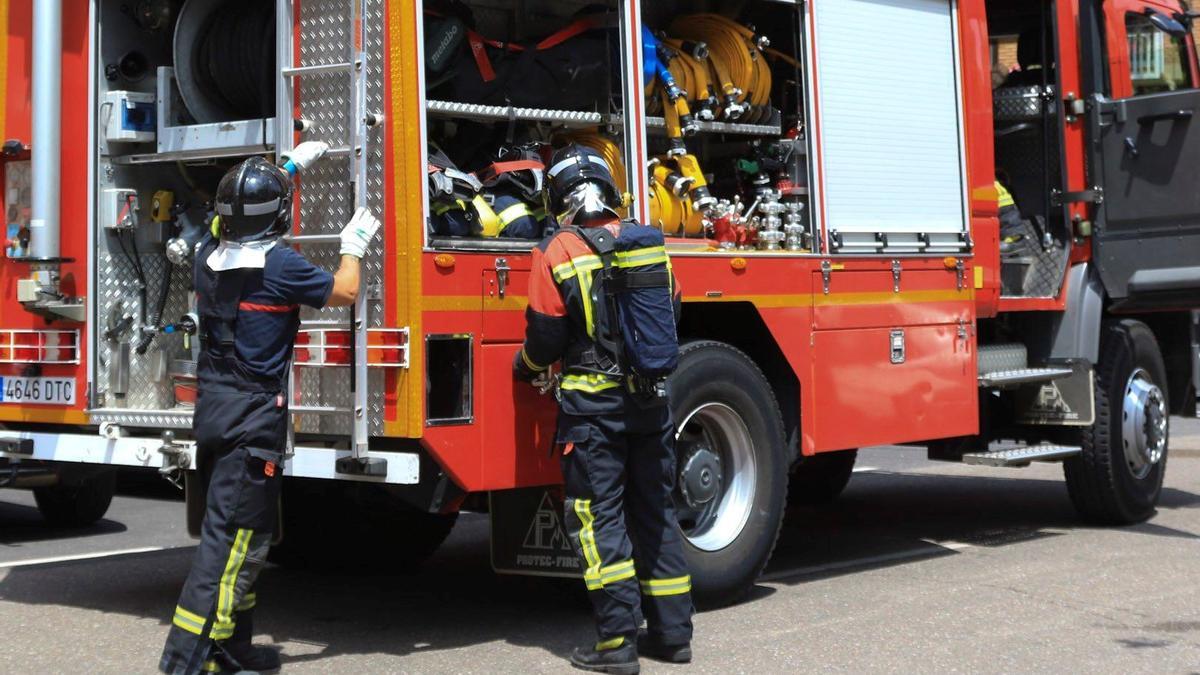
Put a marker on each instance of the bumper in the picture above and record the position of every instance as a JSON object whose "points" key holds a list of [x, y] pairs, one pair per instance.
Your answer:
{"points": [[307, 462]]}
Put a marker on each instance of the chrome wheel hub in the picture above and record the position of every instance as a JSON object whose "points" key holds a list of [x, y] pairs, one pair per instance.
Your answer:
{"points": [[700, 477], [1143, 423], [716, 483]]}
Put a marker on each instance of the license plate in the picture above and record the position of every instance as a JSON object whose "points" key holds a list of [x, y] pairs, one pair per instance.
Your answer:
{"points": [[52, 390]]}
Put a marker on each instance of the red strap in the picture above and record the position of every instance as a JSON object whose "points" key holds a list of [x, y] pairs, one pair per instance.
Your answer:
{"points": [[478, 42], [497, 168], [481, 58], [567, 32], [256, 307]]}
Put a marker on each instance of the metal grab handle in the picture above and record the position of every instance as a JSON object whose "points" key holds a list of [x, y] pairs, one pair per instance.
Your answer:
{"points": [[1185, 114], [1016, 128]]}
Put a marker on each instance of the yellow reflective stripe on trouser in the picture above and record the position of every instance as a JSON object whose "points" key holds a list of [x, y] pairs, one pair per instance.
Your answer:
{"points": [[1004, 197], [591, 383], [211, 667], [584, 263], [189, 621], [675, 586], [247, 603], [642, 256], [611, 643], [512, 213], [609, 574], [587, 538], [223, 626]]}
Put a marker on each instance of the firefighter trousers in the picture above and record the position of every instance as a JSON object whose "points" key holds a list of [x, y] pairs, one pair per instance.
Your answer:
{"points": [[619, 471], [240, 439]]}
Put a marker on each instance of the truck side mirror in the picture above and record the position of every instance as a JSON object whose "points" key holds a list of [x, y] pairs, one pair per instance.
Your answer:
{"points": [[1165, 23]]}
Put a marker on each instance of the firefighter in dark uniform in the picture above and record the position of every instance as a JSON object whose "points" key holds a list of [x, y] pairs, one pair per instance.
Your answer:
{"points": [[249, 288], [617, 440]]}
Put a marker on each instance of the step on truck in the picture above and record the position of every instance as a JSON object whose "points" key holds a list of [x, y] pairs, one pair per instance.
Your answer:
{"points": [[971, 225]]}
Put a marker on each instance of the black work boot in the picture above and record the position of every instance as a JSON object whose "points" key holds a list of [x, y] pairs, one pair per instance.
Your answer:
{"points": [[653, 647], [239, 654], [621, 658]]}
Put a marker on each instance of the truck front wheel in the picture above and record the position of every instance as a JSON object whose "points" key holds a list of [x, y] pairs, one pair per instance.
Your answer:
{"points": [[731, 486], [1118, 477], [77, 502]]}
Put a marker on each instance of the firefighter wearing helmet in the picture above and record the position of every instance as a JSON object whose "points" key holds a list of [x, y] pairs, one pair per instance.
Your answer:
{"points": [[249, 289], [603, 301]]}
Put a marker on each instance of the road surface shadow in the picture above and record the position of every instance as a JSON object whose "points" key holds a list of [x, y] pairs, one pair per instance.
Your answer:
{"points": [[21, 524], [886, 519], [455, 600]]}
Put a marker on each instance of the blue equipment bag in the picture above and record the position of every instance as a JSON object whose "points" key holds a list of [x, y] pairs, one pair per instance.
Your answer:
{"points": [[634, 293]]}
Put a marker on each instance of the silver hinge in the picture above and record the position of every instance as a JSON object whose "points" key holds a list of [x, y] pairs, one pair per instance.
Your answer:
{"points": [[1092, 195], [897, 343], [960, 271], [826, 271], [502, 270], [895, 276], [962, 329]]}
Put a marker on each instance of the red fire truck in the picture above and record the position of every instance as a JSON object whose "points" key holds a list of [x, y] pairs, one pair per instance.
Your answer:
{"points": [[832, 175]]}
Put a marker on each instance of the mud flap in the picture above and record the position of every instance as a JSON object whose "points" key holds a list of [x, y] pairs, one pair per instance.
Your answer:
{"points": [[528, 535], [1068, 401]]}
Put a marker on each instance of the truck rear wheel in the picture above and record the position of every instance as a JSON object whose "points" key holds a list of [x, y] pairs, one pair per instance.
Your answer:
{"points": [[819, 479], [77, 503], [1118, 477], [355, 526], [731, 486]]}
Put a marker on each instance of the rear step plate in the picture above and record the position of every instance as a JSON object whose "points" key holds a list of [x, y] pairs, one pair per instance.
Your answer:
{"points": [[1021, 456], [1003, 378]]}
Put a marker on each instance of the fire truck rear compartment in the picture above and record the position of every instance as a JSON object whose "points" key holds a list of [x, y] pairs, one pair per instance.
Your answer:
{"points": [[184, 90]]}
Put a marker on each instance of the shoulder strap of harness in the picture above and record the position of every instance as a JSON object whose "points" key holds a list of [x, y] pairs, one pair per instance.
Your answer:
{"points": [[608, 333]]}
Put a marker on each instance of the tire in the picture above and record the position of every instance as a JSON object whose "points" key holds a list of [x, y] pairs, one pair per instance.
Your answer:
{"points": [[77, 504], [355, 528], [819, 479], [728, 420], [1118, 477]]}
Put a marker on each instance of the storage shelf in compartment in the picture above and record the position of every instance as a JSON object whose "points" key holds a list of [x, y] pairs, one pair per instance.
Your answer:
{"points": [[476, 111], [724, 127], [192, 155]]}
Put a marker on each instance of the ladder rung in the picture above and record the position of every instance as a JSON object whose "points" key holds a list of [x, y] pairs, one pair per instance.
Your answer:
{"points": [[318, 410], [313, 238], [316, 70], [345, 151]]}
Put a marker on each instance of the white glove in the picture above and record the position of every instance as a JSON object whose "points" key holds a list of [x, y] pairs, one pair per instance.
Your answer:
{"points": [[358, 233], [306, 154]]}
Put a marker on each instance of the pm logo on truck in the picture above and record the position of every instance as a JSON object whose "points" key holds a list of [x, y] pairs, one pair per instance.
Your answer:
{"points": [[528, 536]]}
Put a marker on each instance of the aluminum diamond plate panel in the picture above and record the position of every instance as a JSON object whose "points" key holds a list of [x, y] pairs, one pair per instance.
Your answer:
{"points": [[149, 387], [326, 197]]}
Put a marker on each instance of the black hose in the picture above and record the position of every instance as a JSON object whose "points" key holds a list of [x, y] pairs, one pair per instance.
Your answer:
{"points": [[139, 271], [235, 58]]}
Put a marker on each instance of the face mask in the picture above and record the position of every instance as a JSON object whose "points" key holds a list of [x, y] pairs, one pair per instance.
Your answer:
{"points": [[230, 255]]}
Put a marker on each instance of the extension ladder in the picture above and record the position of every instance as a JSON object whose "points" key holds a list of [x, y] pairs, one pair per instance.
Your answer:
{"points": [[359, 121]]}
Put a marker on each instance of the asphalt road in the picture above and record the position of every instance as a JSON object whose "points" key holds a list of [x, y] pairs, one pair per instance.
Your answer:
{"points": [[919, 567]]}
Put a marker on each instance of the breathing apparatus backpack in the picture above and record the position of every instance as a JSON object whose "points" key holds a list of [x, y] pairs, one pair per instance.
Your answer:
{"points": [[452, 194], [634, 298], [515, 184]]}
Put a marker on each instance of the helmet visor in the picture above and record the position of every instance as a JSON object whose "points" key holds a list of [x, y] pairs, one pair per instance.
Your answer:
{"points": [[587, 201]]}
